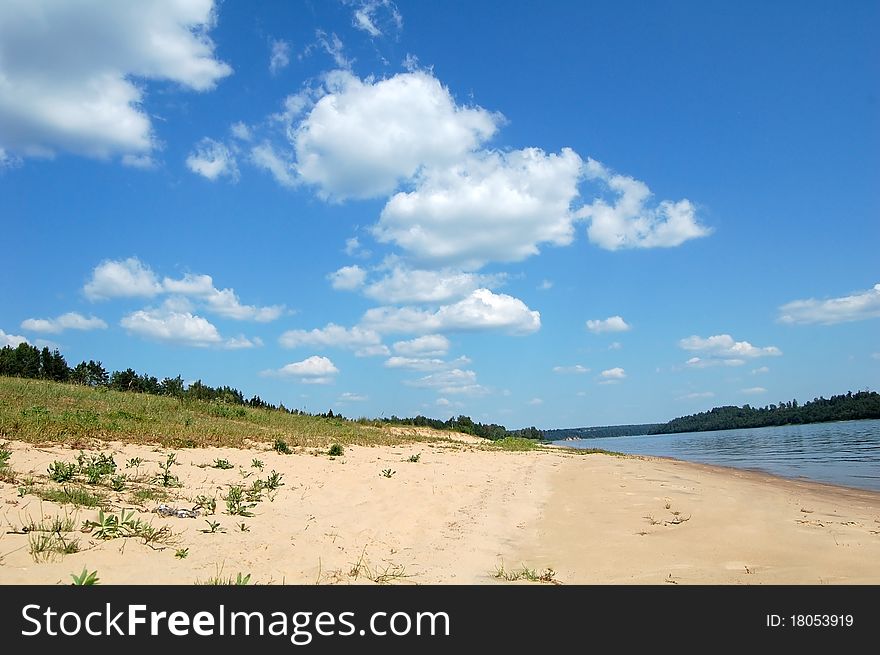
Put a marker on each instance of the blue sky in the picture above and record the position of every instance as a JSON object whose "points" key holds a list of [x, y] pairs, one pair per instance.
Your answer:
{"points": [[552, 214]]}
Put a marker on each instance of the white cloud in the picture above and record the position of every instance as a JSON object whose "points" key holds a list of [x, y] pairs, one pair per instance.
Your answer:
{"points": [[363, 137], [312, 370], [536, 401], [616, 373], [11, 340], [415, 363], [857, 306], [347, 278], [266, 157], [332, 335], [241, 131], [430, 345], [404, 285], [279, 58], [455, 381], [699, 362], [349, 397], [369, 14], [122, 279], [610, 324], [754, 390], [629, 222], [68, 321], [353, 248], [442, 402], [545, 285], [577, 368], [723, 346], [487, 206], [212, 160], [615, 345], [224, 302], [143, 162], [760, 370], [168, 326], [70, 72], [242, 343], [481, 310], [379, 350], [696, 395]]}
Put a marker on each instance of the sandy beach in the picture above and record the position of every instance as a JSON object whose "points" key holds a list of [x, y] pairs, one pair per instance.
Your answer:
{"points": [[461, 513]]}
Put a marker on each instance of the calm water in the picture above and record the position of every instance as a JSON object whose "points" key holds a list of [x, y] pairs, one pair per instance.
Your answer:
{"points": [[845, 453]]}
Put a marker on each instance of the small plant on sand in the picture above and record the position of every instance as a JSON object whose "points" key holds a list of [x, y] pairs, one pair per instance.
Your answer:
{"points": [[85, 578], [281, 446], [44, 546], [134, 463], [5, 454], [222, 464], [165, 477], [414, 458], [242, 527], [525, 573], [254, 493], [94, 467], [110, 526], [387, 473], [181, 553], [236, 505], [207, 503], [117, 482], [213, 527], [335, 450], [274, 481], [62, 471], [238, 581], [70, 495], [257, 464]]}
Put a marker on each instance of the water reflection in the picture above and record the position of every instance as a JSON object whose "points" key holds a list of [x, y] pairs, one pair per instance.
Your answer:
{"points": [[846, 452]]}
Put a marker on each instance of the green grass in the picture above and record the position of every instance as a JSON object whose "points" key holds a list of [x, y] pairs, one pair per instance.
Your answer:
{"points": [[141, 496], [70, 496], [45, 546], [525, 573], [43, 412], [516, 444]]}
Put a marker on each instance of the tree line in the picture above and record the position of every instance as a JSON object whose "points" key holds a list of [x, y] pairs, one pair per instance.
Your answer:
{"points": [[27, 361], [844, 407]]}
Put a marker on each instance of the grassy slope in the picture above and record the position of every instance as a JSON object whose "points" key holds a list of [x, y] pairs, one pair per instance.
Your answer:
{"points": [[37, 411]]}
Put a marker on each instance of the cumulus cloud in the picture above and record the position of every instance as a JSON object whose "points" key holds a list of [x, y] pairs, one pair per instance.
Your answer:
{"points": [[332, 335], [376, 17], [347, 278], [181, 328], [630, 222], [405, 285], [430, 345], [353, 248], [11, 340], [363, 137], [699, 362], [349, 397], [69, 71], [212, 160], [241, 131], [723, 346], [610, 324], [760, 370], [125, 278], [379, 350], [488, 206], [577, 369], [455, 381], [612, 375], [857, 306], [131, 278], [312, 370], [424, 363], [265, 156], [279, 57], [68, 321], [481, 310]]}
